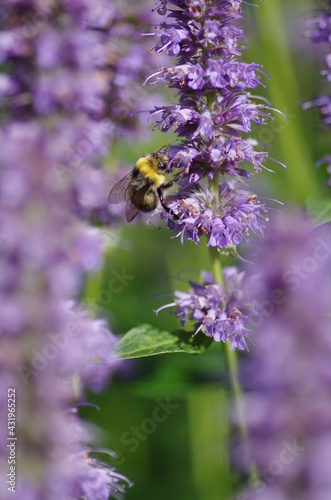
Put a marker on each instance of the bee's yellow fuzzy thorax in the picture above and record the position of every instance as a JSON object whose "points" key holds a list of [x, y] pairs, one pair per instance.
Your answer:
{"points": [[148, 167]]}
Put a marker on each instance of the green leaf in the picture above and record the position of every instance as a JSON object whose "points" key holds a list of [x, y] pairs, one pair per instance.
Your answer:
{"points": [[319, 211], [146, 340], [231, 251]]}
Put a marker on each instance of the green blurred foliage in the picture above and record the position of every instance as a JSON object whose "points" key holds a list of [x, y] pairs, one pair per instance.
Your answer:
{"points": [[186, 455]]}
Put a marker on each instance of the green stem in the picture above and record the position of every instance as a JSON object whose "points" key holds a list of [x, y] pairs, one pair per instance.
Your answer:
{"points": [[231, 358], [211, 97], [216, 265]]}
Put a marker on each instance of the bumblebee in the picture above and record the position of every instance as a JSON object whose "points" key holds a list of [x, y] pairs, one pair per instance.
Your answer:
{"points": [[142, 188]]}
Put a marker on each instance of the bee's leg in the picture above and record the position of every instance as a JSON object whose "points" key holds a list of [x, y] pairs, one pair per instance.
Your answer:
{"points": [[167, 209], [168, 185], [177, 178], [160, 193]]}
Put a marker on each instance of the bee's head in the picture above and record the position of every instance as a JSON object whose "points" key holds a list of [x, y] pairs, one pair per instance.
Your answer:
{"points": [[162, 160]]}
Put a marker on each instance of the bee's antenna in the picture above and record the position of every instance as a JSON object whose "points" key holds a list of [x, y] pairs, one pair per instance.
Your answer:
{"points": [[165, 147]]}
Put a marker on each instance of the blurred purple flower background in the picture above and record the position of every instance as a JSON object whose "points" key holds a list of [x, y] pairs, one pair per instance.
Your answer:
{"points": [[318, 30], [68, 88], [287, 373]]}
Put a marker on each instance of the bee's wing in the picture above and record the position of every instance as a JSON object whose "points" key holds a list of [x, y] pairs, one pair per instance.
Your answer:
{"points": [[131, 209], [120, 192]]}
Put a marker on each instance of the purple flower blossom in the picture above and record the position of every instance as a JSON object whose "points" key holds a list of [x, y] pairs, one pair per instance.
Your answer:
{"points": [[327, 161], [218, 311], [287, 374], [214, 109], [318, 30], [97, 480], [225, 219]]}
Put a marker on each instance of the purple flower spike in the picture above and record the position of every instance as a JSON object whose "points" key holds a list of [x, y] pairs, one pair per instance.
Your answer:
{"points": [[215, 110], [220, 312], [213, 158]]}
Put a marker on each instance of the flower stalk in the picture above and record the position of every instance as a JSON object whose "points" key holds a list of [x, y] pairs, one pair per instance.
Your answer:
{"points": [[212, 118], [232, 363]]}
